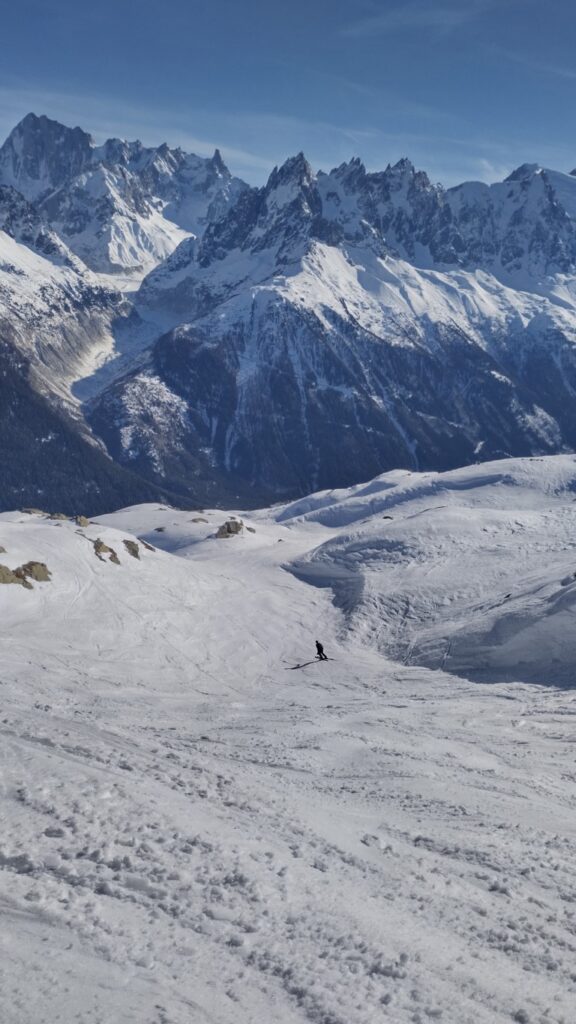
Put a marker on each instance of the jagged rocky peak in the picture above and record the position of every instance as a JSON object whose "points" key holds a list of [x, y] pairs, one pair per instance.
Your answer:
{"points": [[401, 169], [294, 171], [280, 216], [289, 183], [403, 176], [120, 206], [291, 198], [400, 174], [349, 177], [119, 151], [352, 168], [218, 164], [41, 154], [524, 172], [270, 217]]}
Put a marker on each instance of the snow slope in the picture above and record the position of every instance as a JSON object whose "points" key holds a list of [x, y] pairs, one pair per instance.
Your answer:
{"points": [[194, 830], [56, 313], [472, 571]]}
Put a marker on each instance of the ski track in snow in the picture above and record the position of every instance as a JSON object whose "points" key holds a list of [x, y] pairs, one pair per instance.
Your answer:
{"points": [[191, 833]]}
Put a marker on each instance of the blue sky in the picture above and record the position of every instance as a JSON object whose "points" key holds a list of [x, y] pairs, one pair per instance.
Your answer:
{"points": [[467, 89]]}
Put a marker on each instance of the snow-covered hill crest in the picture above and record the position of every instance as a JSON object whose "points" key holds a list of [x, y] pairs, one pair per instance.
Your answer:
{"points": [[471, 571]]}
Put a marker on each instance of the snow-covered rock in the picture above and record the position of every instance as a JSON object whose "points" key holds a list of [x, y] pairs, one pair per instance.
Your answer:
{"points": [[54, 311]]}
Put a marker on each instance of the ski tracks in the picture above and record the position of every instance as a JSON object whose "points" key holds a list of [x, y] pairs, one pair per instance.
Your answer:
{"points": [[300, 856]]}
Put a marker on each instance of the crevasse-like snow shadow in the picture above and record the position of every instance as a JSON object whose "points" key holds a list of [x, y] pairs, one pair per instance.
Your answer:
{"points": [[346, 585]]}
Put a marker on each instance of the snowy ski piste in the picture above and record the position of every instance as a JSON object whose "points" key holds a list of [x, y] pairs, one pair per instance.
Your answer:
{"points": [[193, 834]]}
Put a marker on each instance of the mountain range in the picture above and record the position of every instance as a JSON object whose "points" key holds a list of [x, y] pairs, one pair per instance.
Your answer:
{"points": [[195, 339]]}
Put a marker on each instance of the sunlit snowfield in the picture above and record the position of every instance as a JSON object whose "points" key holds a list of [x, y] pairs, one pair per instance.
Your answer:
{"points": [[195, 830]]}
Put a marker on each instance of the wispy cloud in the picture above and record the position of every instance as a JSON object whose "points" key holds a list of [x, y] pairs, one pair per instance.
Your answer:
{"points": [[389, 101], [490, 170], [417, 17], [534, 63]]}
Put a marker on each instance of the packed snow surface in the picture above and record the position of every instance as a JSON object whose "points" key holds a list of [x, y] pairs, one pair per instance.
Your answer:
{"points": [[201, 823]]}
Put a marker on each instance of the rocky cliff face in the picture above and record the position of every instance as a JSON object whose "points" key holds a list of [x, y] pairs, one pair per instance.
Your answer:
{"points": [[21, 221], [306, 334], [522, 230], [47, 462], [41, 155]]}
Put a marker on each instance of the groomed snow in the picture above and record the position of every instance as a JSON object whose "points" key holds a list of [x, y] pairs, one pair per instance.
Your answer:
{"points": [[194, 830]]}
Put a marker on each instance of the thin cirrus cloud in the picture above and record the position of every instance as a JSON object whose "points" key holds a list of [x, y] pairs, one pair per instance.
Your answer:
{"points": [[388, 101], [415, 17], [534, 63]]}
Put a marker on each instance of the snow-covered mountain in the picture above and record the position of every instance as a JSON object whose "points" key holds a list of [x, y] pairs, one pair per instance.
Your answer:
{"points": [[77, 223], [201, 824], [41, 155], [337, 324], [121, 207], [309, 333]]}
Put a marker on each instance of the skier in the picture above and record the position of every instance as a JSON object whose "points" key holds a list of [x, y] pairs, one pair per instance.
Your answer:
{"points": [[320, 652]]}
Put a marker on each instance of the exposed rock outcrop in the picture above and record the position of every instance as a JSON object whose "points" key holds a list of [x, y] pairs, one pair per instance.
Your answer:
{"points": [[231, 528], [10, 576], [102, 550], [132, 548], [37, 571]]}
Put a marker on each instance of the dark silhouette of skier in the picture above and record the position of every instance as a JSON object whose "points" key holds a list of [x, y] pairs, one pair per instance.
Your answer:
{"points": [[320, 652]]}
